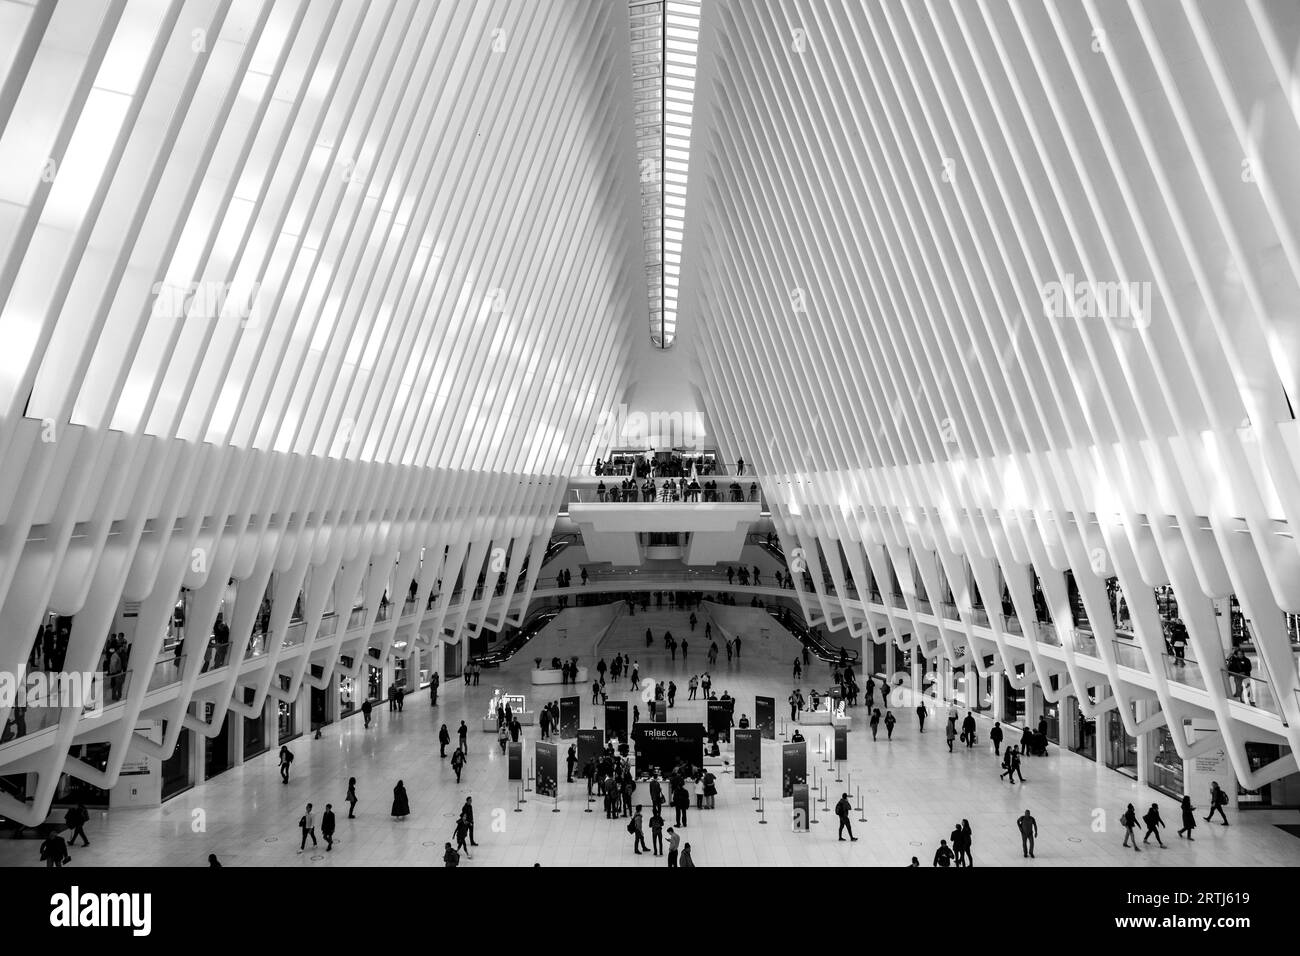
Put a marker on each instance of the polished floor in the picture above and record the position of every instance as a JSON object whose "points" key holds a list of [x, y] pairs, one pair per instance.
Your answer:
{"points": [[913, 792]]}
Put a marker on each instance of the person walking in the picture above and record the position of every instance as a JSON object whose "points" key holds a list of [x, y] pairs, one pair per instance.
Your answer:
{"points": [[842, 809], [966, 836], [450, 857], [570, 759], [401, 805], [657, 831], [351, 798], [503, 737], [307, 824], [1028, 828], [968, 730], [798, 669], [794, 706], [1015, 767], [685, 646], [995, 735], [1129, 821], [889, 725], [286, 758], [1154, 823], [1189, 818], [327, 826], [54, 851], [433, 689], [1218, 800], [463, 733], [460, 833], [467, 811], [920, 716], [673, 841], [76, 819], [637, 828], [457, 762], [366, 708], [444, 738], [213, 861], [875, 724], [950, 732]]}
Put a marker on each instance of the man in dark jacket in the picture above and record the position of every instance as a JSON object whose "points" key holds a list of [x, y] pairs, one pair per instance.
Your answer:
{"points": [[327, 826], [842, 811], [450, 857], [76, 819], [54, 851]]}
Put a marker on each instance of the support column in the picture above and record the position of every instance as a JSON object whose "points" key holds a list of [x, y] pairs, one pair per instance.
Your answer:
{"points": [[1141, 711]]}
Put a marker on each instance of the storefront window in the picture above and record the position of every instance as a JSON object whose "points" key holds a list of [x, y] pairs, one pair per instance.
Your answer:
{"points": [[349, 696], [375, 684], [1013, 700], [1279, 794], [1121, 749], [1050, 721], [288, 714], [1084, 736], [176, 768], [254, 729], [1166, 769]]}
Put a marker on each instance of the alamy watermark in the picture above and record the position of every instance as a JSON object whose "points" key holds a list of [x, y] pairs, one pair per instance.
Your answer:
{"points": [[664, 429], [1127, 304], [55, 689]]}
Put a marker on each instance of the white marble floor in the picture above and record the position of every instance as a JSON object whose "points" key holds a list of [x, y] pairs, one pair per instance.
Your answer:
{"points": [[913, 791]]}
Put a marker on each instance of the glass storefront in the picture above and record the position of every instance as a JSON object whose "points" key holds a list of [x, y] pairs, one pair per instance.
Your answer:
{"points": [[1049, 712], [319, 703], [216, 757], [287, 719], [1013, 700], [1166, 767], [1121, 749], [254, 729], [349, 691], [71, 790], [1083, 738], [375, 684], [176, 768], [1278, 795]]}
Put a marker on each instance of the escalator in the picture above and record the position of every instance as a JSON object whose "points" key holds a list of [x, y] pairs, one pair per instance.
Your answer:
{"points": [[554, 548], [518, 637], [810, 638]]}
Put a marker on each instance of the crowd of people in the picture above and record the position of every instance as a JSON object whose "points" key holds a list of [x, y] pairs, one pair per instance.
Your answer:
{"points": [[673, 489]]}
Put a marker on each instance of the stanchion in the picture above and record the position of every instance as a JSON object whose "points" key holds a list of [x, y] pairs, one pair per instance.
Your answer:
{"points": [[519, 798], [825, 797], [783, 734], [862, 810], [838, 778], [590, 801], [813, 804], [556, 808], [755, 796], [528, 780], [763, 816]]}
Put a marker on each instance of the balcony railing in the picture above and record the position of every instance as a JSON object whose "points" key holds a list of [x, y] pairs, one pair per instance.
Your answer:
{"points": [[1011, 624], [1253, 691], [1085, 643], [1129, 655], [166, 672], [1183, 671]]}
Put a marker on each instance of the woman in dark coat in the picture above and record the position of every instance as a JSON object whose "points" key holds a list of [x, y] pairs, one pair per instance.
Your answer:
{"points": [[401, 806], [1189, 818]]}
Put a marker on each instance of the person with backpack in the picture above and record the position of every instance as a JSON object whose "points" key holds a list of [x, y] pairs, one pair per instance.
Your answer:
{"points": [[54, 851], [286, 758], [995, 735], [1129, 821], [1153, 822], [943, 856], [458, 762], [76, 818], [842, 810], [889, 725], [636, 827], [1218, 800], [307, 824], [327, 826]]}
